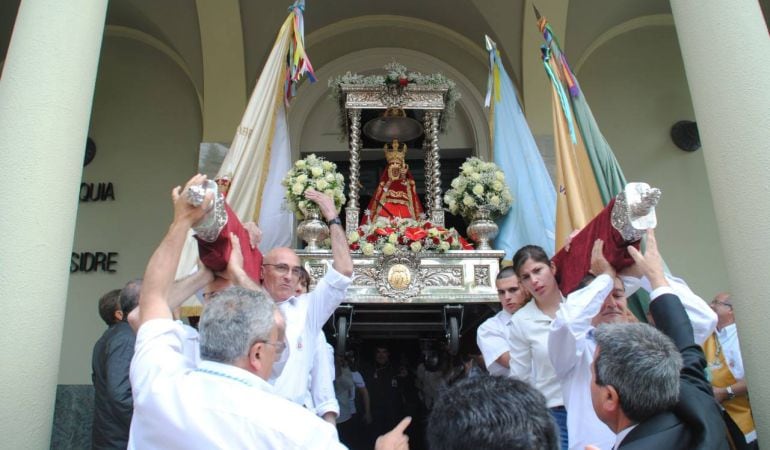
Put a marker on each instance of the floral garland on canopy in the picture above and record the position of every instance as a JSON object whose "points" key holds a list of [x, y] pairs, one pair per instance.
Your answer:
{"points": [[396, 75], [479, 185], [398, 234]]}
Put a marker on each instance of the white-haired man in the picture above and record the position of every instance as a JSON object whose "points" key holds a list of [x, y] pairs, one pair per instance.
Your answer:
{"points": [[224, 402]]}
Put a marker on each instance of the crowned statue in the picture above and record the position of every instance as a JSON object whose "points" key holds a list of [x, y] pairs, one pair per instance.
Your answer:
{"points": [[395, 195]]}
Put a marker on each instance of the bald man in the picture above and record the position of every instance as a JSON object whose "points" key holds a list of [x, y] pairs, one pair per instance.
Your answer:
{"points": [[305, 314], [723, 355]]}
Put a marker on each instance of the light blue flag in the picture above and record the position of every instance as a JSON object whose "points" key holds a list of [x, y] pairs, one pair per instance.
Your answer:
{"points": [[532, 217]]}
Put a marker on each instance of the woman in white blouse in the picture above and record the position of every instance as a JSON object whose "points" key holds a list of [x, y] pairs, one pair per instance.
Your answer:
{"points": [[530, 327]]}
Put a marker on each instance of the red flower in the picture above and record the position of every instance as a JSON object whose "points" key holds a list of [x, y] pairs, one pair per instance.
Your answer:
{"points": [[384, 231], [354, 246], [427, 225], [465, 244], [371, 238], [403, 81], [415, 233]]}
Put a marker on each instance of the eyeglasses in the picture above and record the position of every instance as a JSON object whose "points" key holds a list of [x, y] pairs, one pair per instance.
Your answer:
{"points": [[729, 305], [283, 269], [209, 295], [279, 346]]}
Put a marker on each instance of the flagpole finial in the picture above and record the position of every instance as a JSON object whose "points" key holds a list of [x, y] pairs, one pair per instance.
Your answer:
{"points": [[490, 44], [537, 13]]}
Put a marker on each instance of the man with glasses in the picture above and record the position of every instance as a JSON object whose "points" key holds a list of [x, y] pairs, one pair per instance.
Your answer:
{"points": [[305, 314], [224, 402], [723, 355]]}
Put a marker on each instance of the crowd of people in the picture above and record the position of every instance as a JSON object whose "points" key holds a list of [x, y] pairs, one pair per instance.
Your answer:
{"points": [[556, 369]]}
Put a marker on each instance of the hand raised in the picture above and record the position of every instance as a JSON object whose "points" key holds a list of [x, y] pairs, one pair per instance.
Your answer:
{"points": [[255, 234], [324, 202], [184, 212], [599, 264], [235, 263], [651, 263]]}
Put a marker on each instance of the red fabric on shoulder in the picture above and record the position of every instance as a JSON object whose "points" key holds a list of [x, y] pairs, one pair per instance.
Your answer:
{"points": [[215, 255]]}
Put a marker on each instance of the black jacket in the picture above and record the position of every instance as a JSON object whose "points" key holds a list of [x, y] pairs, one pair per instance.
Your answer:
{"points": [[113, 404], [696, 421]]}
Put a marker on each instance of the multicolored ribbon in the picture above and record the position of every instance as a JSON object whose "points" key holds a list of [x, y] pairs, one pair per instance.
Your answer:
{"points": [[298, 61]]}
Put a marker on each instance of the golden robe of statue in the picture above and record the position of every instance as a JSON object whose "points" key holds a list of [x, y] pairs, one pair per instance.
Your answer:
{"points": [[395, 195]]}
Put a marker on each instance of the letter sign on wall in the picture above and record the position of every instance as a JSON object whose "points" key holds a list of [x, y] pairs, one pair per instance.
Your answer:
{"points": [[90, 262]]}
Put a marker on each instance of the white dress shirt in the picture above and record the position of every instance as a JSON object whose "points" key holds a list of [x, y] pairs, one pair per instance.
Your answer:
{"points": [[305, 316], [191, 347], [212, 406], [702, 317], [731, 348], [572, 347], [322, 374], [493, 339], [529, 352], [571, 350]]}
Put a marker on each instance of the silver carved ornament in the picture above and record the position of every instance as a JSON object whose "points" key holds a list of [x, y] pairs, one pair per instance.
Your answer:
{"points": [[634, 210], [211, 225]]}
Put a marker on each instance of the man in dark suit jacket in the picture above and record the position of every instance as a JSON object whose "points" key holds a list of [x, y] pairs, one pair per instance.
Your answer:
{"points": [[113, 404], [649, 390]]}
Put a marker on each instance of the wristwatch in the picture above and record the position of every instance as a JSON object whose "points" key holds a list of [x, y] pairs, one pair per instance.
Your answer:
{"points": [[335, 220], [730, 393]]}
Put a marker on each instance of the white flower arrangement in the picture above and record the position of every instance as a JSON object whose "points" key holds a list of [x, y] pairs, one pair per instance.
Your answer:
{"points": [[316, 173], [480, 184]]}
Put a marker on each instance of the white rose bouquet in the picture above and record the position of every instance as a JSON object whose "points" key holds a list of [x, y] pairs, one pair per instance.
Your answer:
{"points": [[316, 173], [479, 185]]}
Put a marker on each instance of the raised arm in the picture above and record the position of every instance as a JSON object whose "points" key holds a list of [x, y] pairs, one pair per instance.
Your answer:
{"points": [[669, 314], [702, 318], [235, 271], [181, 291], [343, 263], [567, 338], [159, 275]]}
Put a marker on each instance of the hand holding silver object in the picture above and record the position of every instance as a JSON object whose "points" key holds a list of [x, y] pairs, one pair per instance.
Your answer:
{"points": [[211, 225], [197, 193], [634, 210]]}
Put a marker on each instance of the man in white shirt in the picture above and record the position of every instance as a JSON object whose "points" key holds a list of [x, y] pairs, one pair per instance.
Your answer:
{"points": [[492, 335], [305, 314], [571, 345], [225, 402]]}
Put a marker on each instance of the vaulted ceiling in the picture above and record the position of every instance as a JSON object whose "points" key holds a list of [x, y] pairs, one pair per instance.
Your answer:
{"points": [[176, 24]]}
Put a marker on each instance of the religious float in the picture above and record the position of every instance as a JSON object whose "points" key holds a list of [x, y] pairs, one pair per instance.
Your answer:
{"points": [[414, 278]]}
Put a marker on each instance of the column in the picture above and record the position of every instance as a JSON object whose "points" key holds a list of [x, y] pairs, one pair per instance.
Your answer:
{"points": [[46, 91], [726, 52]]}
